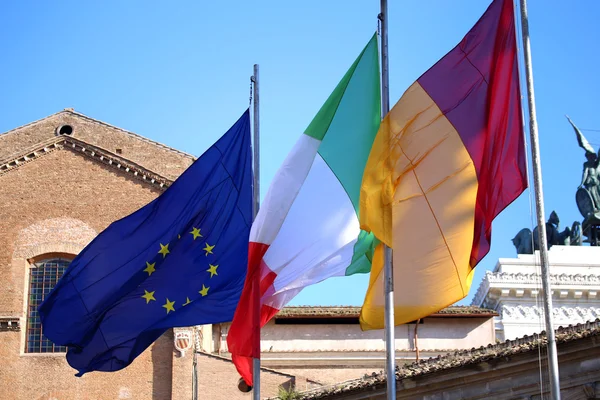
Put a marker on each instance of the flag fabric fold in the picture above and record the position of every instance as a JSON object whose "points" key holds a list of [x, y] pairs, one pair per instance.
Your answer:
{"points": [[178, 261], [307, 229], [448, 158]]}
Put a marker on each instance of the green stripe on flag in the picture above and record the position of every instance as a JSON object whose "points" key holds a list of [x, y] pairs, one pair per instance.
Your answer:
{"points": [[321, 122], [353, 127], [347, 125]]}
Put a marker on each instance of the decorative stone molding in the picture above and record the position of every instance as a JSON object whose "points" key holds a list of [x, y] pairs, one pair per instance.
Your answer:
{"points": [[531, 279], [520, 313], [95, 153], [555, 279], [53, 235], [482, 291], [569, 315], [29, 154]]}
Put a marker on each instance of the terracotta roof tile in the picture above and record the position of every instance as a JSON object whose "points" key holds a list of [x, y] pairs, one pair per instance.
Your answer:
{"points": [[352, 311], [458, 359]]}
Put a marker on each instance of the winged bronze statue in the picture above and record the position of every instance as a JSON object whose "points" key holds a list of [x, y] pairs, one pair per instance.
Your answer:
{"points": [[588, 193]]}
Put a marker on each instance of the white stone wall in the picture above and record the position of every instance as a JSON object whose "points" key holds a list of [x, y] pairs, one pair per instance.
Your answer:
{"points": [[514, 290], [447, 333]]}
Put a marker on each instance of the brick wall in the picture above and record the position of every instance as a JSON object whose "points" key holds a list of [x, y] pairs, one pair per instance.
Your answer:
{"points": [[218, 378], [57, 186], [57, 203], [155, 157], [31, 377]]}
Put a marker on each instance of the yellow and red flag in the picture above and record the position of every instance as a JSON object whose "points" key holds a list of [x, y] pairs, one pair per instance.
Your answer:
{"points": [[447, 159]]}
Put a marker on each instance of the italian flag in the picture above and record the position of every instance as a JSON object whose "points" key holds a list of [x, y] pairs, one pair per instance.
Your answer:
{"points": [[307, 229]]}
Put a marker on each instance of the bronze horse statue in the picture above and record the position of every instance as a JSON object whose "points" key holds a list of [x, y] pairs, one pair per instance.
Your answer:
{"points": [[526, 241]]}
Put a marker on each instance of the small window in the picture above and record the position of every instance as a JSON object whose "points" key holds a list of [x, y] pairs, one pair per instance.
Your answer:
{"points": [[43, 276], [119, 151], [64, 130]]}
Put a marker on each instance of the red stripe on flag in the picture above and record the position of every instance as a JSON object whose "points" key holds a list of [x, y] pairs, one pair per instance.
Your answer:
{"points": [[476, 86], [244, 334]]}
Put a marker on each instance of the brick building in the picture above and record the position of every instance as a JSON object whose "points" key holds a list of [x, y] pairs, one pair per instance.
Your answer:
{"points": [[65, 178]]}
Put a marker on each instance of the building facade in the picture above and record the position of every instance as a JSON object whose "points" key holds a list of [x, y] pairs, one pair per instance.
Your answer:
{"points": [[63, 180], [324, 345], [513, 370], [513, 290]]}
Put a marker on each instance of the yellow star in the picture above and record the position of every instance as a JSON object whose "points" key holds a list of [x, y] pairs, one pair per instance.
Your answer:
{"points": [[204, 290], [150, 268], [178, 236], [169, 306], [196, 233], [187, 302], [212, 270], [149, 296], [164, 250], [208, 248]]}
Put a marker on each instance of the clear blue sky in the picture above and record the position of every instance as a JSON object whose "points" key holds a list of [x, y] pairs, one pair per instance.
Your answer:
{"points": [[178, 72]]}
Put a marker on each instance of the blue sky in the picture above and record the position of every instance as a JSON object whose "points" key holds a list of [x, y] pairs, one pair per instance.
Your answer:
{"points": [[178, 72]]}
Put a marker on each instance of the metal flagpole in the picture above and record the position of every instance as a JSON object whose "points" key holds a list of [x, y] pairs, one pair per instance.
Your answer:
{"points": [[195, 374], [539, 202], [255, 206], [390, 351]]}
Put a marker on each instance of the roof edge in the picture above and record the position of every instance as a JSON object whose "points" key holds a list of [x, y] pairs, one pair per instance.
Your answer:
{"points": [[159, 144], [354, 312], [99, 122], [89, 151]]}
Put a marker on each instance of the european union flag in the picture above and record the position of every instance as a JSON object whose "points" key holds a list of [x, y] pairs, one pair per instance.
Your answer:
{"points": [[179, 261]]}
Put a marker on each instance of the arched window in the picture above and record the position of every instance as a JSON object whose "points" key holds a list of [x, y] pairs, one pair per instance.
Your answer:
{"points": [[43, 276]]}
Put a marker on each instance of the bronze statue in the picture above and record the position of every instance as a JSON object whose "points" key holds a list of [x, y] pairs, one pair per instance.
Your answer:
{"points": [[552, 234], [588, 193], [523, 242], [588, 202], [526, 242], [571, 237]]}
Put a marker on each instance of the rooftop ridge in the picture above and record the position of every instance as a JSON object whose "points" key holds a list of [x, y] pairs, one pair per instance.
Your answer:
{"points": [[97, 121], [328, 350], [159, 144], [354, 311], [32, 123]]}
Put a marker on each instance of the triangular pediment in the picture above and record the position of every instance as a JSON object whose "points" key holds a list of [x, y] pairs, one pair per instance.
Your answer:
{"points": [[143, 152]]}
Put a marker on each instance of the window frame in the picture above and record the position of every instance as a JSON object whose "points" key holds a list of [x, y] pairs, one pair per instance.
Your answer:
{"points": [[43, 346]]}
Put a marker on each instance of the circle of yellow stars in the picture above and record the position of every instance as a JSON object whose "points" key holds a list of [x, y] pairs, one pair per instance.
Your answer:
{"points": [[164, 250]]}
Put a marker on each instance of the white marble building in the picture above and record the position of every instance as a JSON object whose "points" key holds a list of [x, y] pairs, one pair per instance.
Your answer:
{"points": [[513, 290]]}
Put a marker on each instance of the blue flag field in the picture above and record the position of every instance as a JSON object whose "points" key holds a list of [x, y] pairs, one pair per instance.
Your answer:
{"points": [[179, 261]]}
